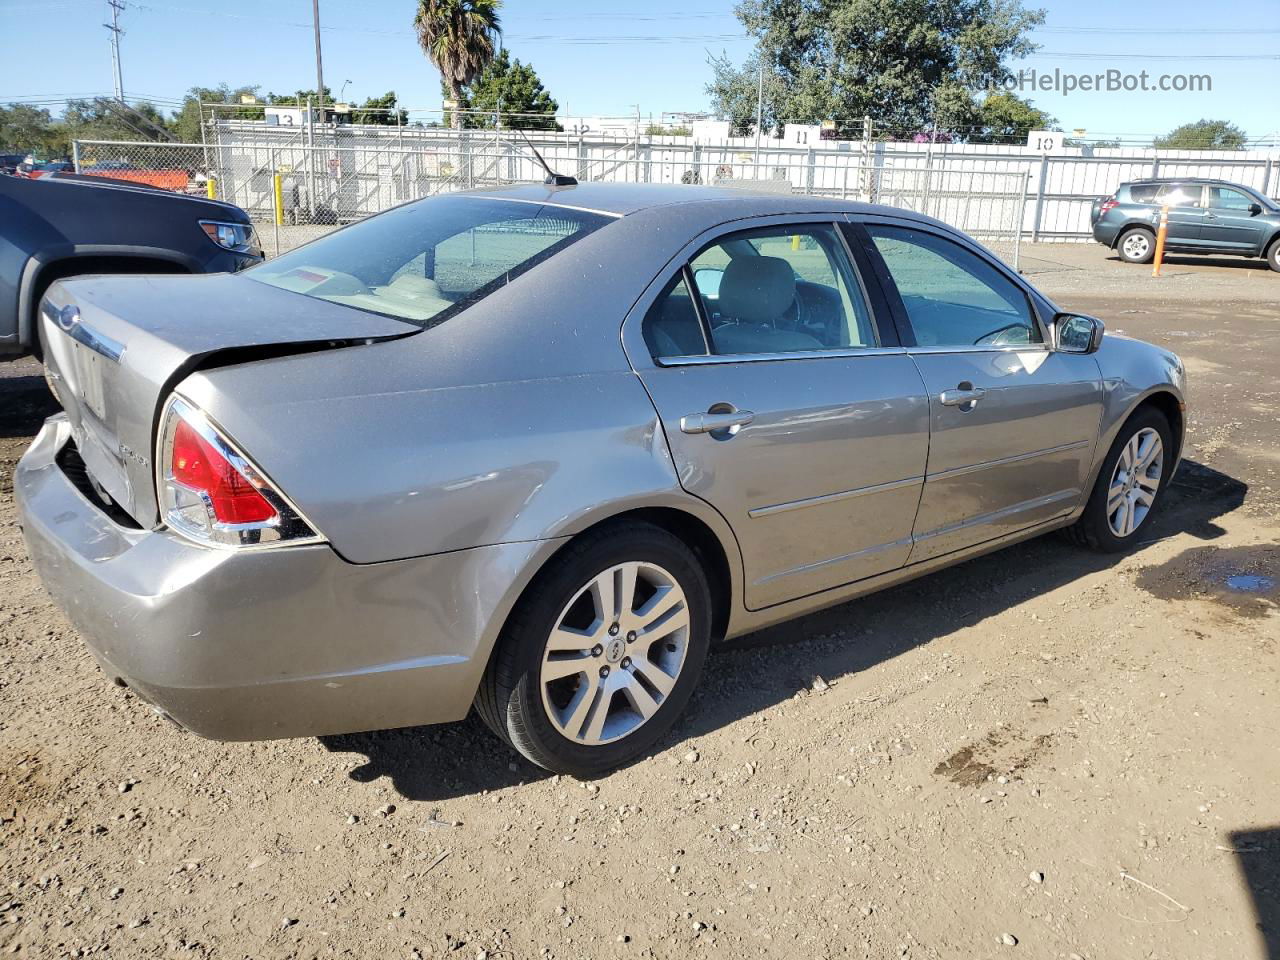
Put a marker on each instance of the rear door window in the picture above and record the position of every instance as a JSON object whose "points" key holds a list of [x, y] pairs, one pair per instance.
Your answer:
{"points": [[1180, 195]]}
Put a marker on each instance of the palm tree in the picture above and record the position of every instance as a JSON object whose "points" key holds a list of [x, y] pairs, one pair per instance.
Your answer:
{"points": [[457, 36]]}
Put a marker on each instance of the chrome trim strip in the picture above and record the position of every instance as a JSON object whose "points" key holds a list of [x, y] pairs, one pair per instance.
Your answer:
{"points": [[546, 203], [97, 342], [1000, 514], [1026, 348], [756, 512], [806, 568], [1018, 458], [762, 357]]}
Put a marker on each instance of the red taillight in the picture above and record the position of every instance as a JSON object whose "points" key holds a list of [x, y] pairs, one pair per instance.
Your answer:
{"points": [[1107, 206], [198, 465]]}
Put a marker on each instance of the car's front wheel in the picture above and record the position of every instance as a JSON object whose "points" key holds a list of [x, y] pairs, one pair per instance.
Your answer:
{"points": [[1130, 484], [1136, 245], [602, 653]]}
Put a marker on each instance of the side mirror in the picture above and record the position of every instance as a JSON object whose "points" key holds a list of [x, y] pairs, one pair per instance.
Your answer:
{"points": [[1255, 209], [1076, 333]]}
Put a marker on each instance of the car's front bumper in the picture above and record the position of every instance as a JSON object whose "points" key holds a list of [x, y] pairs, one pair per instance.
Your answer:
{"points": [[254, 644]]}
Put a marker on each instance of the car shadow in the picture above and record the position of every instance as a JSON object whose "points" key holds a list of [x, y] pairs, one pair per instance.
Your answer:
{"points": [[1190, 260], [27, 402], [1258, 855], [742, 677]]}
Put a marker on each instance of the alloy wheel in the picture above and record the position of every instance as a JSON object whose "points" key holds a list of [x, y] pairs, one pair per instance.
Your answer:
{"points": [[1136, 245], [615, 653], [1135, 482]]}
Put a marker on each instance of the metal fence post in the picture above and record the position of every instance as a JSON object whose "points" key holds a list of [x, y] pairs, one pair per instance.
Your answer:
{"points": [[1019, 216], [812, 164], [1266, 178], [1044, 177], [75, 155]]}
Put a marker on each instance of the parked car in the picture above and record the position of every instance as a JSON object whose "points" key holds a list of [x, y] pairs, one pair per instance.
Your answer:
{"points": [[1205, 217], [536, 448], [65, 225], [9, 162], [39, 171]]}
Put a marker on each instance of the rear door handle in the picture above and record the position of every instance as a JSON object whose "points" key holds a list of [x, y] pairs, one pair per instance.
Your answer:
{"points": [[709, 422], [961, 397]]}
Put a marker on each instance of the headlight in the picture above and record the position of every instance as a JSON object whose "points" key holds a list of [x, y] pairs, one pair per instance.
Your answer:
{"points": [[232, 236]]}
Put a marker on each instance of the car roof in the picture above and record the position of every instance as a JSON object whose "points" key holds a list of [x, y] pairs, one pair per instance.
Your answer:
{"points": [[1227, 183], [624, 199]]}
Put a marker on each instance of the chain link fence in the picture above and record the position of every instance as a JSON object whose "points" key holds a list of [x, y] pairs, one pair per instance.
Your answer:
{"points": [[295, 190]]}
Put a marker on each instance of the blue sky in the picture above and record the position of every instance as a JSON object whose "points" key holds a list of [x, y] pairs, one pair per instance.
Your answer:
{"points": [[604, 58]]}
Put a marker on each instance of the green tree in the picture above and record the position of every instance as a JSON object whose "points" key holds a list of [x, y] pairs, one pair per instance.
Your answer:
{"points": [[186, 122], [380, 110], [457, 36], [27, 129], [508, 86], [907, 64], [1203, 135], [103, 118], [1005, 117]]}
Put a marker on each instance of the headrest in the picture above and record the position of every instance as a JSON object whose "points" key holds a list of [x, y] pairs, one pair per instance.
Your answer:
{"points": [[757, 289]]}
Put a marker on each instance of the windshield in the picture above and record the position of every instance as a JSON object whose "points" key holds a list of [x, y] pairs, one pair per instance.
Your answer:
{"points": [[426, 261]]}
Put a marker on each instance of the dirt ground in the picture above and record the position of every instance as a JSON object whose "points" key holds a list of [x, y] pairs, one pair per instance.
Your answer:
{"points": [[1043, 753]]}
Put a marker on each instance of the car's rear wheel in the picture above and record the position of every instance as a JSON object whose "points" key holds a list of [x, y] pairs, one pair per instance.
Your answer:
{"points": [[1136, 245], [1130, 485], [1273, 255], [602, 653]]}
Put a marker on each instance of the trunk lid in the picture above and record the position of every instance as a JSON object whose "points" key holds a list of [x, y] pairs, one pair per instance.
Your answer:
{"points": [[115, 347]]}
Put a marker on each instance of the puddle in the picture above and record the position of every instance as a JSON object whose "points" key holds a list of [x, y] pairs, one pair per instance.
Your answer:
{"points": [[1243, 579], [1002, 751], [1251, 583]]}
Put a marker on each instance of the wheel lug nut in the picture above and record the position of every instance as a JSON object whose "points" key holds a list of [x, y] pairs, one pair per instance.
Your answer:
{"points": [[613, 630], [597, 650], [631, 637], [626, 662], [604, 671]]}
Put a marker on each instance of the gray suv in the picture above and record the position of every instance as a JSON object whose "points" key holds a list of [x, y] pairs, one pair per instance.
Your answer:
{"points": [[1205, 217]]}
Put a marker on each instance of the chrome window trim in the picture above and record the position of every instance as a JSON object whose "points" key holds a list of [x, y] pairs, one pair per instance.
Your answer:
{"points": [[1002, 348], [693, 361], [777, 508]]}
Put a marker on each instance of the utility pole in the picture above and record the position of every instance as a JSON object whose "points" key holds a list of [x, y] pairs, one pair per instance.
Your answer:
{"points": [[759, 116], [315, 18], [114, 26]]}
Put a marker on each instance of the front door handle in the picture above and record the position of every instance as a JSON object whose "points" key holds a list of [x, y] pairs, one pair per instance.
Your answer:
{"points": [[711, 422], [963, 396]]}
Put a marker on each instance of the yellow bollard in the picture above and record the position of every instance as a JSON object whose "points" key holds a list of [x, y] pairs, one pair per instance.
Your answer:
{"points": [[795, 241], [278, 194], [211, 187], [1160, 235]]}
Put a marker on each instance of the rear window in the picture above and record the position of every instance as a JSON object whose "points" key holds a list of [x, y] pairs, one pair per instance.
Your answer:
{"points": [[1143, 192], [426, 261]]}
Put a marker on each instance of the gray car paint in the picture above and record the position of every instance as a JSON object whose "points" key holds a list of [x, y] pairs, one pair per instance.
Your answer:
{"points": [[499, 434]]}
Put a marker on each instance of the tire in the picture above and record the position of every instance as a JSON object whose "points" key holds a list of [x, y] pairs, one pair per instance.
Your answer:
{"points": [[1112, 530], [1136, 245], [559, 661], [1273, 255]]}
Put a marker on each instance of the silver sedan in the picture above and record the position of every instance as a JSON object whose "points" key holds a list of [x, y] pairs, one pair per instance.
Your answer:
{"points": [[536, 449]]}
